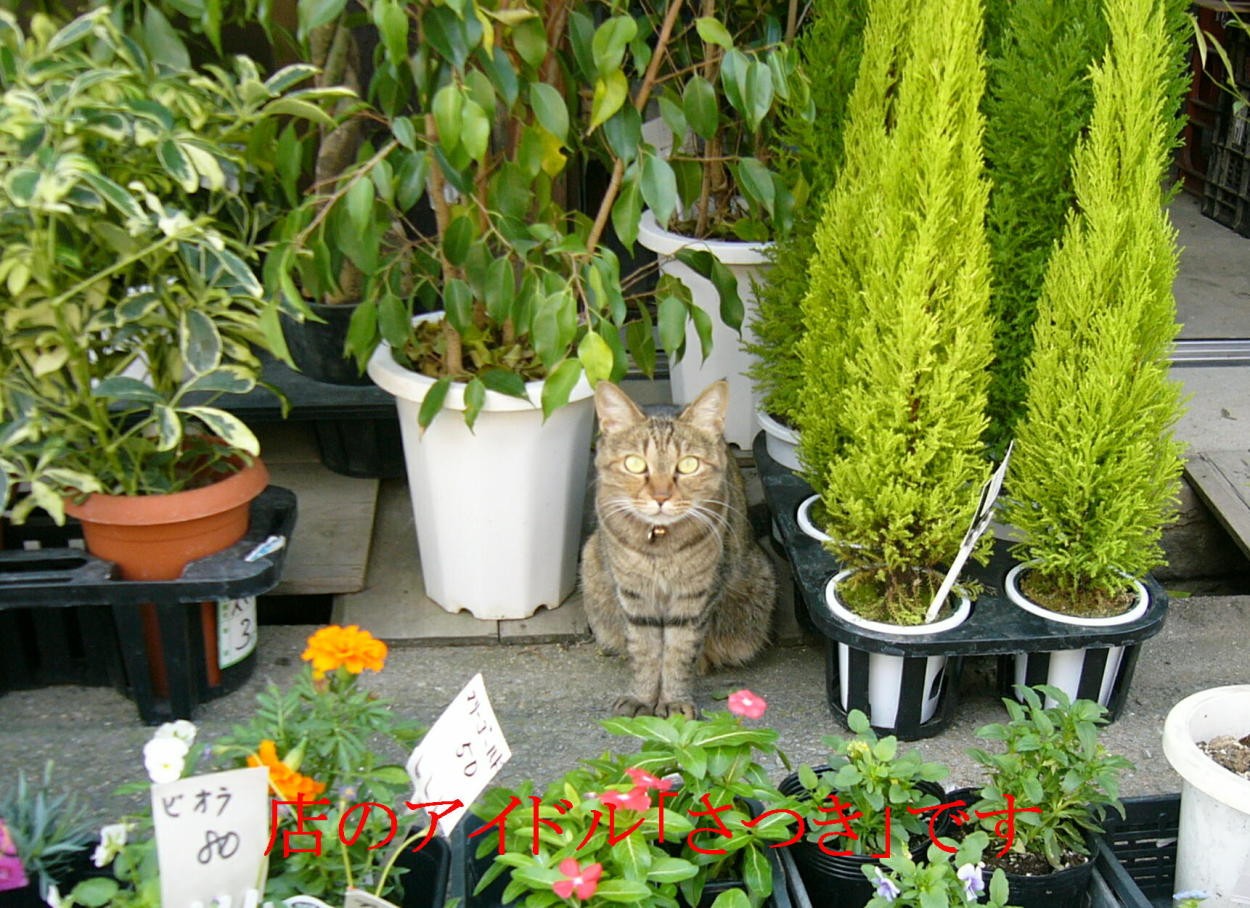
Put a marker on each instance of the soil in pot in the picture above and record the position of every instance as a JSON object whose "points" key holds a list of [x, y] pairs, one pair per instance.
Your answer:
{"points": [[1231, 753], [1082, 604]]}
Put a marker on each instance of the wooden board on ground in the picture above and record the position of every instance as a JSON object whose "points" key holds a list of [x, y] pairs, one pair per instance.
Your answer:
{"points": [[1222, 479]]}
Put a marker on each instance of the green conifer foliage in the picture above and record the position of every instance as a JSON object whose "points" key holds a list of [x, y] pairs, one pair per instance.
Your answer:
{"points": [[1037, 103], [899, 338], [1095, 472], [830, 49]]}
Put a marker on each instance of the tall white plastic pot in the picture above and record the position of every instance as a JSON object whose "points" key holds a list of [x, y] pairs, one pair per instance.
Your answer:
{"points": [[1067, 667], [885, 672], [498, 509], [728, 360], [1213, 850]]}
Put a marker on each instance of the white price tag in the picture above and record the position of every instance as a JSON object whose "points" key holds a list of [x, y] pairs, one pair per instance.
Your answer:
{"points": [[458, 756], [211, 835], [236, 630]]}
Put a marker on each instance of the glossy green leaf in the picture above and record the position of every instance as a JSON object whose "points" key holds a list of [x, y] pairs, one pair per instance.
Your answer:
{"points": [[627, 210], [733, 79], [624, 133], [94, 892], [227, 380], [712, 31], [433, 403], [499, 289], [315, 13], [659, 187], [609, 94], [177, 165], [474, 401], [530, 40], [700, 106], [475, 130], [162, 41], [559, 384], [404, 132], [392, 25], [301, 109], [447, 106], [504, 382], [673, 115], [596, 357], [757, 96], [581, 39], [123, 387], [228, 427], [359, 202], [672, 323], [114, 194], [640, 338], [756, 182], [75, 31], [550, 110], [410, 179], [609, 44], [703, 330], [199, 342], [458, 304], [458, 239], [289, 76]]}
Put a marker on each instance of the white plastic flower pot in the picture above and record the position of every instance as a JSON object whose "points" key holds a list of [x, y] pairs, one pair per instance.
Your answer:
{"points": [[498, 509], [728, 359], [1066, 668], [781, 442], [1213, 848], [885, 672]]}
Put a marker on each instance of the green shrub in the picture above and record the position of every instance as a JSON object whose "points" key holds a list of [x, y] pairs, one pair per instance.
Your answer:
{"points": [[1094, 477], [898, 341]]}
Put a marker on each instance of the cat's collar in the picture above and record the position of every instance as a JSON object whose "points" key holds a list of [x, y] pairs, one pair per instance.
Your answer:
{"points": [[656, 532]]}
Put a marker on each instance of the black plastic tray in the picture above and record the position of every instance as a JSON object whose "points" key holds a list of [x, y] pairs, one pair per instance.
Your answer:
{"points": [[995, 626], [1135, 865], [65, 577]]}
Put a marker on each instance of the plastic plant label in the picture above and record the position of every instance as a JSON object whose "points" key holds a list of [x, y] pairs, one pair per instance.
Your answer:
{"points": [[357, 898], [976, 529], [459, 756], [236, 630], [211, 835]]}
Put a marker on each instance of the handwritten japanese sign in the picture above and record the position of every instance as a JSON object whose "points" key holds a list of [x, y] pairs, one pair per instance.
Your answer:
{"points": [[458, 756], [211, 832], [236, 630]]}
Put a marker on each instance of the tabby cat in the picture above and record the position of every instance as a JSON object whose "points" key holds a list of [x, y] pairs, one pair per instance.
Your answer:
{"points": [[671, 575]]}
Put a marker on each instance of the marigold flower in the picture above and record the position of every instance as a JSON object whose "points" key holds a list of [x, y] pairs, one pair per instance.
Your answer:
{"points": [[282, 778], [348, 647], [744, 703], [580, 880], [647, 781]]}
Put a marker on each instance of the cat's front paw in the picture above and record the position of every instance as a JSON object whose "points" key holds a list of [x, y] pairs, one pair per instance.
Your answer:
{"points": [[631, 706], [667, 708]]}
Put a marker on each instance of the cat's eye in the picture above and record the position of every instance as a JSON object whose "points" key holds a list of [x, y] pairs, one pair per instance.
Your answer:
{"points": [[636, 464], [687, 465]]}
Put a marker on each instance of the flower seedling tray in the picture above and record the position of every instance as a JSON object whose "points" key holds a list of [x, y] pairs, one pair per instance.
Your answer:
{"points": [[64, 577], [995, 627], [1135, 865]]}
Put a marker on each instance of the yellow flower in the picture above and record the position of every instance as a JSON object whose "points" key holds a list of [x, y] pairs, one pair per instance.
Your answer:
{"points": [[348, 647]]}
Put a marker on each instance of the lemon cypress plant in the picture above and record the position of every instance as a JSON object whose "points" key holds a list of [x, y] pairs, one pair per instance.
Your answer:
{"points": [[899, 340], [1095, 474]]}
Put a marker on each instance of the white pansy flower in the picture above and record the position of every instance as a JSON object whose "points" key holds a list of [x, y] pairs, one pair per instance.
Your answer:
{"points": [[182, 730], [164, 758], [53, 898], [112, 840]]}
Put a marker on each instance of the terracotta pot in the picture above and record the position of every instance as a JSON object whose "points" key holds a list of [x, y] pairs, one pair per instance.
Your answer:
{"points": [[153, 537]]}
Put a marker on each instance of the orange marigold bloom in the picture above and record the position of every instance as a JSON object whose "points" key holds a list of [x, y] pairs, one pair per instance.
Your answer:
{"points": [[347, 647], [284, 780]]}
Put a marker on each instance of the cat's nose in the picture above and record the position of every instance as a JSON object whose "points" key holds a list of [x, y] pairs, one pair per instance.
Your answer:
{"points": [[661, 497]]}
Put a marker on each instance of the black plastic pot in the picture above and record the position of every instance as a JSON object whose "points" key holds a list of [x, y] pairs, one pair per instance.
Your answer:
{"points": [[317, 347], [838, 881]]}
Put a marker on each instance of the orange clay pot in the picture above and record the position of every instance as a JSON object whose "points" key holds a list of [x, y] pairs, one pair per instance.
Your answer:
{"points": [[153, 537]]}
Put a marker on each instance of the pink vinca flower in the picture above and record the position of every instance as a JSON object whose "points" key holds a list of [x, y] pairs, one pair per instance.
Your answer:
{"points": [[744, 703], [648, 782], [634, 799], [582, 881]]}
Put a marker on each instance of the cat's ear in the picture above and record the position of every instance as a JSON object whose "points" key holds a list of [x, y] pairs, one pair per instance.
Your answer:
{"points": [[616, 411], [707, 411]]}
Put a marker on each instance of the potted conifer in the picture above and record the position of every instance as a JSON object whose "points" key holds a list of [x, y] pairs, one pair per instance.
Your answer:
{"points": [[898, 336], [129, 302], [1095, 475]]}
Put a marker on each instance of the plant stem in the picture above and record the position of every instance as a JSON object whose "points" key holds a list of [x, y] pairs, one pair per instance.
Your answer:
{"points": [[453, 353]]}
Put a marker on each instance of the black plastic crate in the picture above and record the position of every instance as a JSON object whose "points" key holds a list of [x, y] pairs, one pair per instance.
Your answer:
{"points": [[1136, 861]]}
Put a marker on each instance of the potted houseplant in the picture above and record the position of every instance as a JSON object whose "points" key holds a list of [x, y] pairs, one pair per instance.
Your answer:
{"points": [[1095, 474], [529, 304], [714, 184], [810, 149], [129, 304], [898, 341], [876, 803], [1046, 793], [1213, 845], [685, 799]]}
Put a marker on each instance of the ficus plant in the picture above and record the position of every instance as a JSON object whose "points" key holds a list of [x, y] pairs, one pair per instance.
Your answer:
{"points": [[128, 297], [501, 99]]}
